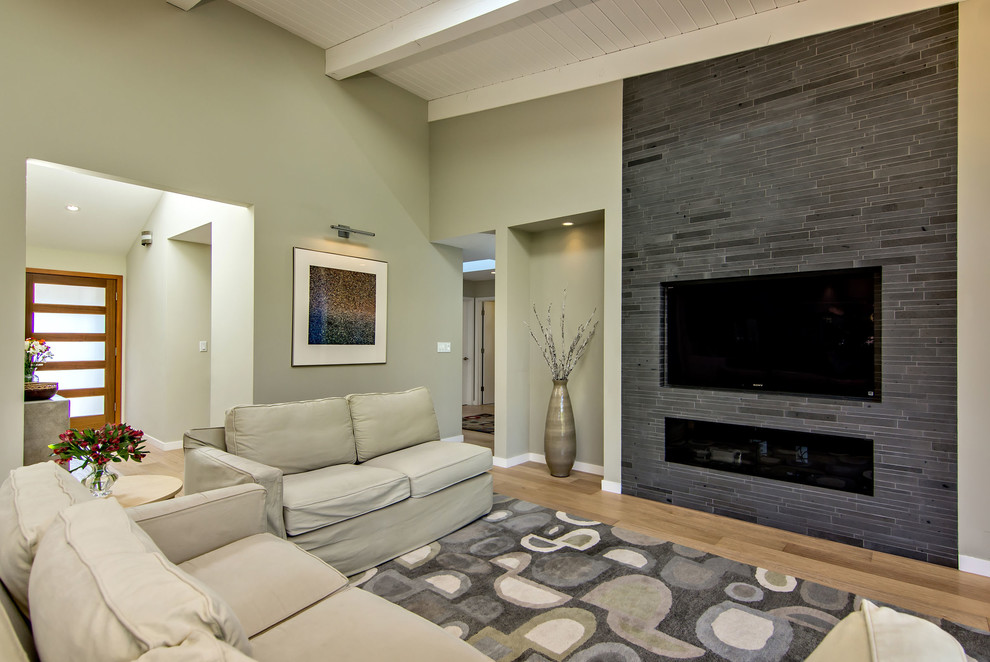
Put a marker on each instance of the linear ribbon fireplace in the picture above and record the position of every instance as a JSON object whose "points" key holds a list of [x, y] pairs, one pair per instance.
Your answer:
{"points": [[824, 460]]}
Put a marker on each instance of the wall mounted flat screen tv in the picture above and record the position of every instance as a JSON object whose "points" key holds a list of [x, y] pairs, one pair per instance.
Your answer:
{"points": [[814, 333]]}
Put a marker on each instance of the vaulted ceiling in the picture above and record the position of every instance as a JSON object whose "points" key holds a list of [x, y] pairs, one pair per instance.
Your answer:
{"points": [[468, 55]]}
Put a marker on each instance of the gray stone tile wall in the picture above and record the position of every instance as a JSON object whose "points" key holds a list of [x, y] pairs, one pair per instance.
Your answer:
{"points": [[828, 152]]}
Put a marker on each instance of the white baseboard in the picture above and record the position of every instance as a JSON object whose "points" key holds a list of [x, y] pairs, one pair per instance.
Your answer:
{"points": [[455, 438], [587, 468], [974, 565], [611, 486], [164, 445], [505, 463]]}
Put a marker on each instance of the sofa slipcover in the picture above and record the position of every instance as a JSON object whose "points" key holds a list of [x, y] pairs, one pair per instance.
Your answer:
{"points": [[101, 588], [434, 465], [29, 500], [326, 496], [292, 436], [386, 422], [95, 561], [403, 488], [264, 580]]}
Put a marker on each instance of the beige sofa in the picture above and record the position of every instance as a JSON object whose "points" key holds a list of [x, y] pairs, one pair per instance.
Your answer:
{"points": [[195, 578], [356, 481]]}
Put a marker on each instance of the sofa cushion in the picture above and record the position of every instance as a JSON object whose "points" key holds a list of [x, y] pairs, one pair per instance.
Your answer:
{"points": [[319, 498], [435, 465], [100, 590], [881, 634], [16, 643], [292, 436], [284, 579], [357, 626], [30, 499], [199, 647], [386, 422]]}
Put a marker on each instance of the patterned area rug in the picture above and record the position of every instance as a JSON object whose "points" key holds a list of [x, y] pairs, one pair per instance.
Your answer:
{"points": [[531, 584], [479, 423]]}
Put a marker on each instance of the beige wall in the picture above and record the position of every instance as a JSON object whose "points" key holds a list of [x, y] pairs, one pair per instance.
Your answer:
{"points": [[479, 288], [145, 384], [167, 310], [187, 322], [569, 259], [229, 284], [218, 103], [974, 285], [512, 166], [39, 257]]}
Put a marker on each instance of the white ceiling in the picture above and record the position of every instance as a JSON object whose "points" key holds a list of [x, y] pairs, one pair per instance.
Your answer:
{"points": [[468, 55], [111, 213]]}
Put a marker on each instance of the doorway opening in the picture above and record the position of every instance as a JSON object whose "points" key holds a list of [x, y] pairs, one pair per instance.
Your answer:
{"points": [[478, 337], [171, 350]]}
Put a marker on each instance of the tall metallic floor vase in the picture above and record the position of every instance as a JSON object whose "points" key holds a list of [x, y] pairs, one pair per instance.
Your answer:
{"points": [[559, 442]]}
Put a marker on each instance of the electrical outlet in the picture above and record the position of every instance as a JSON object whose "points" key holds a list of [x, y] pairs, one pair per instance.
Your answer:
{"points": [[443, 346], [203, 345]]}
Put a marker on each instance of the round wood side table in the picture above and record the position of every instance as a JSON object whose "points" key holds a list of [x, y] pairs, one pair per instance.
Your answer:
{"points": [[130, 491]]}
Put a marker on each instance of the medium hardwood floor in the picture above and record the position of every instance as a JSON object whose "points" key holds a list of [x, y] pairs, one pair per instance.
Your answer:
{"points": [[921, 587], [478, 438]]}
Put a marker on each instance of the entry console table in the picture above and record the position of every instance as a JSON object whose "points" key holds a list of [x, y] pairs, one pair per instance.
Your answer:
{"points": [[44, 421]]}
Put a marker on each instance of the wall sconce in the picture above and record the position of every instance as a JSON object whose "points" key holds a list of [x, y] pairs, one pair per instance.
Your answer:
{"points": [[345, 231], [146, 238]]}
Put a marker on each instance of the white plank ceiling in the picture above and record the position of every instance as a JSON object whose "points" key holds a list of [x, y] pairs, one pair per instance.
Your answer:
{"points": [[467, 55]]}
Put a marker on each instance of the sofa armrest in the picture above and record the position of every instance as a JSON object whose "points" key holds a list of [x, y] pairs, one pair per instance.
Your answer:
{"points": [[205, 438], [192, 525], [210, 468]]}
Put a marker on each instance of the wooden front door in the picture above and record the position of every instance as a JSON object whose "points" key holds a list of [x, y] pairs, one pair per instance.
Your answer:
{"points": [[79, 316]]}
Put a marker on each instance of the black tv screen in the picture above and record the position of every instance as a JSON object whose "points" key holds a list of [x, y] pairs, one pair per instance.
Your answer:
{"points": [[814, 333]]}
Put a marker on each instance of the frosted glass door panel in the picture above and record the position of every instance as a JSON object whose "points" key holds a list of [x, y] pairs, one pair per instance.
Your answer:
{"points": [[91, 406], [65, 350], [78, 315], [68, 323], [76, 378], [73, 295]]}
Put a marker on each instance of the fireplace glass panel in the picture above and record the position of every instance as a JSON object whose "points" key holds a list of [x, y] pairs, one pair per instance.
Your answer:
{"points": [[823, 460]]}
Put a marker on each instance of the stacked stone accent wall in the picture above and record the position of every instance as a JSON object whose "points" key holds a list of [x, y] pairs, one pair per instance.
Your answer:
{"points": [[830, 152]]}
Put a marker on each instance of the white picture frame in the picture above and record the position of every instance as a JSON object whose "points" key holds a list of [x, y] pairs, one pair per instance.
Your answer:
{"points": [[339, 309]]}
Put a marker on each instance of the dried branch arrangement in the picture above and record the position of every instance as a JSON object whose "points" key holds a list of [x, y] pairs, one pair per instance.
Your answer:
{"points": [[561, 362]]}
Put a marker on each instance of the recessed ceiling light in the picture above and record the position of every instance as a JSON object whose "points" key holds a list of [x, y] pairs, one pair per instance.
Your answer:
{"points": [[72, 207], [568, 223]]}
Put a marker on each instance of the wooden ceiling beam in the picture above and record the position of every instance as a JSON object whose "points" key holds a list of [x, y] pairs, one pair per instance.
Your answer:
{"points": [[429, 27]]}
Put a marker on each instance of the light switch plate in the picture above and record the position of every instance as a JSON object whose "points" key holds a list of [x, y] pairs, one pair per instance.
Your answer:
{"points": [[443, 346], [203, 345]]}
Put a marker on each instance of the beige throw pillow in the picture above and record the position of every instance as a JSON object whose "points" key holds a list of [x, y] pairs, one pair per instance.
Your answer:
{"points": [[386, 422], [881, 634], [101, 591], [30, 499]]}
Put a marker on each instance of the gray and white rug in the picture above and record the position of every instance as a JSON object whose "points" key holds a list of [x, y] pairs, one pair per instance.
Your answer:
{"points": [[531, 584]]}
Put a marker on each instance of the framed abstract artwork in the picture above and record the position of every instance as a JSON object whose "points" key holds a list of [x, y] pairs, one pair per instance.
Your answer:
{"points": [[339, 309]]}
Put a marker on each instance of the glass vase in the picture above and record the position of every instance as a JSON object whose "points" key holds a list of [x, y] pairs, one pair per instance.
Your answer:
{"points": [[30, 371], [100, 480]]}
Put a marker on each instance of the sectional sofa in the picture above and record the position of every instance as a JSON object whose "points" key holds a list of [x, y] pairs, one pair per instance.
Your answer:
{"points": [[193, 579]]}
